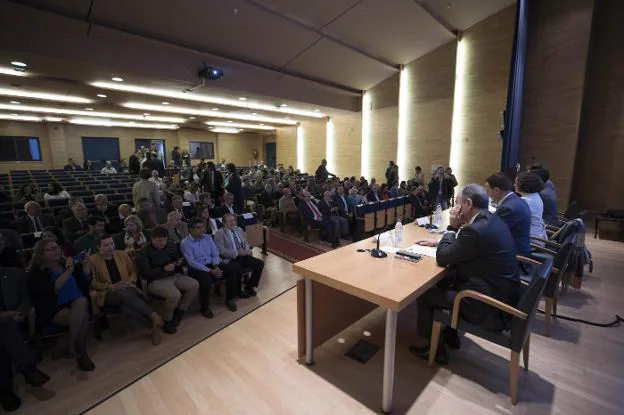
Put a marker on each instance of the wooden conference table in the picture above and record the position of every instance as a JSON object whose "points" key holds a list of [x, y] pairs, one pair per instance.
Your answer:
{"points": [[343, 285]]}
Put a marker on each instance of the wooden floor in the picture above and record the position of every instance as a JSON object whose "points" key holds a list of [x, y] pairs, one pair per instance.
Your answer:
{"points": [[250, 367], [127, 353]]}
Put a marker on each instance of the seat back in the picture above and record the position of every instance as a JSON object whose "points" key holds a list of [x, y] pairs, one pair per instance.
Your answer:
{"points": [[561, 262], [528, 302]]}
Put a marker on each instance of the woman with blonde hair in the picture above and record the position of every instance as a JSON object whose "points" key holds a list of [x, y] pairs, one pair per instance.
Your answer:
{"points": [[133, 237]]}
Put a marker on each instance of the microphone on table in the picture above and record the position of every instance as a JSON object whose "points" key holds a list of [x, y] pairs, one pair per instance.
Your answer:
{"points": [[378, 253]]}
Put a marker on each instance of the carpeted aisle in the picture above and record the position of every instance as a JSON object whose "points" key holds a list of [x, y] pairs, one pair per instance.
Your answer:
{"points": [[291, 248]]}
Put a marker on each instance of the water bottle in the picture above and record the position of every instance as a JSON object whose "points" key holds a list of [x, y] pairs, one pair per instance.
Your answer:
{"points": [[437, 216], [398, 231]]}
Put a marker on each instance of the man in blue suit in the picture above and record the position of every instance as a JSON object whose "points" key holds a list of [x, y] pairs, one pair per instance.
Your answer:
{"points": [[512, 210]]}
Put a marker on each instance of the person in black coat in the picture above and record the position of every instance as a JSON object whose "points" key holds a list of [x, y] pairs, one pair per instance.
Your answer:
{"points": [[439, 189], [331, 212], [152, 163], [76, 226], [235, 186], [420, 203], [34, 220], [316, 220], [59, 290], [134, 164], [321, 173], [483, 258], [212, 182], [391, 175]]}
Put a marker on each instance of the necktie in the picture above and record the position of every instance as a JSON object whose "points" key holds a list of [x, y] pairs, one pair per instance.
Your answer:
{"points": [[317, 214], [237, 240], [38, 227]]}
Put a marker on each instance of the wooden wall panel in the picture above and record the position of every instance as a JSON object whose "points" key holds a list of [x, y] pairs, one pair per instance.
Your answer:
{"points": [[488, 55], [286, 146], [598, 183], [347, 145], [559, 32], [314, 144], [384, 122], [27, 129], [430, 86]]}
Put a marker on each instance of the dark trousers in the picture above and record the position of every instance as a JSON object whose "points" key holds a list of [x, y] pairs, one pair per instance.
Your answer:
{"points": [[330, 229], [131, 303], [256, 265], [436, 298], [12, 352], [231, 276]]}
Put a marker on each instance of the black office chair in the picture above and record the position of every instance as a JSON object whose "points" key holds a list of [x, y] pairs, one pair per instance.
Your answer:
{"points": [[516, 338]]}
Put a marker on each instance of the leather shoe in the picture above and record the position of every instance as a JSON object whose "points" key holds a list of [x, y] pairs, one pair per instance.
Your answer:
{"points": [[34, 377], [10, 402], [423, 353], [231, 305], [177, 317], [85, 363], [451, 337], [169, 327], [208, 313]]}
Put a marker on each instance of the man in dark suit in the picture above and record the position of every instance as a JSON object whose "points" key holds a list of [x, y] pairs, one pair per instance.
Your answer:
{"points": [[104, 209], [373, 195], [34, 220], [331, 212], [212, 181], [117, 222], [513, 210], [391, 175], [439, 189], [76, 226], [340, 202], [153, 163], [549, 198], [177, 205], [321, 173], [226, 207], [317, 220], [481, 251], [71, 166], [150, 216], [235, 186]]}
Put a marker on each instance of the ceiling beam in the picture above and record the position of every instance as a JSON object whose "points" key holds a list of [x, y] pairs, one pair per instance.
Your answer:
{"points": [[427, 7]]}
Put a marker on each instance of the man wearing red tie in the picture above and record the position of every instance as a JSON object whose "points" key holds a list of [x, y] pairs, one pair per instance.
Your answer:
{"points": [[315, 219]]}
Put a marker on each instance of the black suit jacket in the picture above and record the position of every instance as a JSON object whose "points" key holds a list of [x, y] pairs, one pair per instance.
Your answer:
{"points": [[307, 213], [370, 196], [483, 256], [325, 209], [13, 291], [218, 190], [343, 207], [73, 229], [155, 164], [221, 210], [25, 225], [115, 225], [161, 216], [235, 186], [516, 214]]}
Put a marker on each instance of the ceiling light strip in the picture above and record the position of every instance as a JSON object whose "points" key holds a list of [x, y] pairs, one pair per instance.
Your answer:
{"points": [[57, 111], [19, 117], [239, 125], [11, 71], [43, 96], [246, 104], [208, 113], [226, 130], [108, 123]]}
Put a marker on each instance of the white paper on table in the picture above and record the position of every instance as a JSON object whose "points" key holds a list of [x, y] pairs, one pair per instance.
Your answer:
{"points": [[429, 251], [422, 221]]}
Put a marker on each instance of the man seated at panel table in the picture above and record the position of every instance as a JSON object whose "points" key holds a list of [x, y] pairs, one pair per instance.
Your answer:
{"points": [[34, 220], [480, 254], [316, 220]]}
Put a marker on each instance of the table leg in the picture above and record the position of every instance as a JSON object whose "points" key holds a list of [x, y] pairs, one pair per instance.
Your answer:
{"points": [[389, 349], [309, 358]]}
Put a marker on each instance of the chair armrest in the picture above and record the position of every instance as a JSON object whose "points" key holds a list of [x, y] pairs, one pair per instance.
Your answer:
{"points": [[527, 260], [546, 250], [546, 241], [484, 299], [552, 228]]}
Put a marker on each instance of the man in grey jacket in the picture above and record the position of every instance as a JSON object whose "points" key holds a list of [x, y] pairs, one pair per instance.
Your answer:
{"points": [[233, 246]]}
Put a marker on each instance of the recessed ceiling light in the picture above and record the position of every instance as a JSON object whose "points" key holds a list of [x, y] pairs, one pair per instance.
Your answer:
{"points": [[165, 103], [146, 113], [14, 114], [191, 118], [230, 121], [16, 93], [215, 109], [15, 102], [19, 117], [240, 129], [283, 106], [226, 130], [229, 124], [254, 113], [317, 110], [287, 118], [261, 124], [18, 63], [101, 95], [242, 99], [53, 119], [109, 123], [117, 79], [89, 109]]}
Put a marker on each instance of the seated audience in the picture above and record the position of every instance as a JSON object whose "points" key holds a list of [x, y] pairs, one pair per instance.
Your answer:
{"points": [[133, 237], [385, 194], [97, 226], [287, 203], [115, 284], [227, 206], [76, 226], [108, 169], [234, 249], [549, 198], [483, 259], [529, 185], [34, 220], [55, 191], [59, 289], [203, 212], [207, 267], [55, 234], [512, 209], [26, 194], [191, 194], [13, 354], [86, 166], [144, 188], [374, 195], [8, 255], [419, 201], [159, 263], [149, 214], [340, 201], [353, 200], [316, 220], [71, 165], [177, 205], [4, 196], [177, 229], [104, 209], [116, 223], [331, 213]]}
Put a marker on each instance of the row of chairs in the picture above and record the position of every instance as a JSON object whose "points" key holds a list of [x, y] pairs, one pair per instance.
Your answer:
{"points": [[375, 216]]}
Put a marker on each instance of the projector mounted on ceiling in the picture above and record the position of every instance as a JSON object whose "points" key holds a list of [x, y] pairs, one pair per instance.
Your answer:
{"points": [[207, 73]]}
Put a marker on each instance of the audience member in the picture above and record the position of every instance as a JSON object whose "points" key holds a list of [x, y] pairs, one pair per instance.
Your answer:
{"points": [[153, 163], [549, 198], [234, 249], [353, 199], [55, 191], [149, 214], [132, 238], [287, 203], [419, 177], [191, 194], [97, 226], [116, 223], [451, 183], [108, 168], [227, 206], [53, 233], [115, 284], [177, 228], [160, 265], [206, 266], [419, 201], [86, 166], [176, 157], [529, 185], [26, 194], [234, 186], [512, 210], [316, 220], [321, 173], [548, 183], [71, 165], [59, 289], [134, 164], [331, 212], [391, 175], [373, 195], [177, 205], [76, 226], [483, 259], [34, 220], [212, 181], [144, 188], [203, 213], [439, 188], [8, 255]]}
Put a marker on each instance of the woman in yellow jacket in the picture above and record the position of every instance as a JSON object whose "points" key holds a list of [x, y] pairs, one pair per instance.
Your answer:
{"points": [[114, 280]]}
